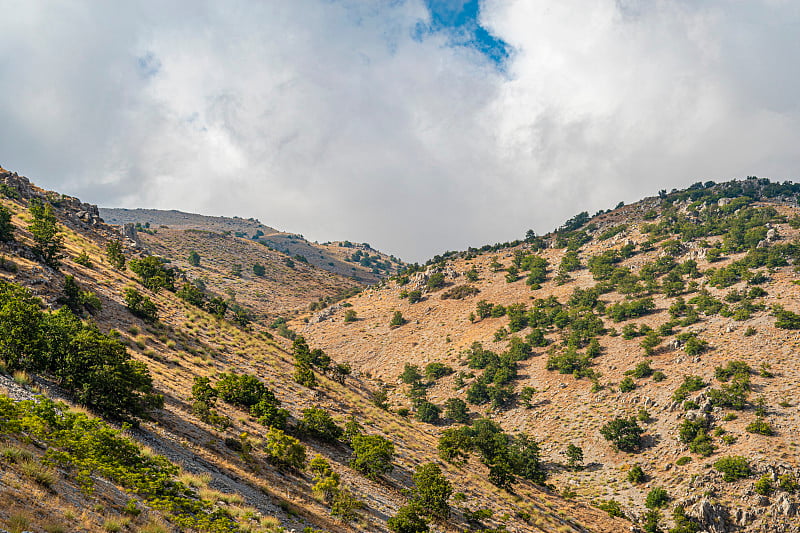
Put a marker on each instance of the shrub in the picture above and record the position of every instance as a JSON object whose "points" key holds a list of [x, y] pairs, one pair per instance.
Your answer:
{"points": [[431, 490], [414, 296], [636, 474], [153, 274], [460, 292], [6, 227], [194, 258], [407, 520], [574, 456], [428, 412], [435, 371], [397, 320], [690, 384], [627, 384], [372, 455], [456, 410], [624, 434], [612, 507], [764, 485], [284, 450], [733, 468], [349, 316], [760, 426], [435, 281], [318, 423], [685, 460], [656, 498], [259, 270]]}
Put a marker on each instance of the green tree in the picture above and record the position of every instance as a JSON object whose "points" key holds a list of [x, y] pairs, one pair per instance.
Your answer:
{"points": [[372, 455], [6, 227], [284, 450], [140, 305], [115, 255], [259, 270], [47, 239], [456, 410], [574, 456], [410, 374], [397, 320], [194, 258], [428, 412], [350, 316], [624, 433], [318, 423], [407, 520], [431, 491], [153, 274]]}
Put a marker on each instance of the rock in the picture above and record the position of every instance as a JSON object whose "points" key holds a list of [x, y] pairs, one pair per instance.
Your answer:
{"points": [[713, 517], [772, 234]]}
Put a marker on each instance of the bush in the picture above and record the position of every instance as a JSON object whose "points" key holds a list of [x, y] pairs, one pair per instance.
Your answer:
{"points": [[349, 316], [435, 371], [431, 491], [140, 305], [435, 281], [428, 412], [656, 498], [612, 507], [6, 227], [317, 422], [760, 426], [153, 274], [372, 455], [414, 296], [456, 410], [284, 450], [624, 434], [690, 384], [407, 520], [627, 384], [636, 475], [764, 485], [259, 270], [397, 320], [460, 292], [733, 468], [115, 255], [194, 258]]}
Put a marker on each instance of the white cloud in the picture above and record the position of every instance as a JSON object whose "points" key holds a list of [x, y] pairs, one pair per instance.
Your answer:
{"points": [[330, 119]]}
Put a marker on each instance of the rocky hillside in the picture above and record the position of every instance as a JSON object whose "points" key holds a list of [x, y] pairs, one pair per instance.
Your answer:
{"points": [[228, 427], [651, 351], [358, 261]]}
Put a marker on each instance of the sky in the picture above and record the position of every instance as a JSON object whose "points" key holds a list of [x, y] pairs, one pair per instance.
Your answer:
{"points": [[417, 126]]}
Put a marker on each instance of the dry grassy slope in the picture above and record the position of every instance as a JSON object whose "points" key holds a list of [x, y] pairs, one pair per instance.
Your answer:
{"points": [[327, 256], [188, 342], [280, 290], [566, 411]]}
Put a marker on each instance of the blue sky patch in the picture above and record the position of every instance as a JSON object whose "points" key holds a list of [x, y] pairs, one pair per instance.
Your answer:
{"points": [[459, 19]]}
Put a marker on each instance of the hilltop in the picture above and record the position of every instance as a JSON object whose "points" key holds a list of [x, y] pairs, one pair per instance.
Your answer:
{"points": [[230, 427], [358, 261], [660, 339]]}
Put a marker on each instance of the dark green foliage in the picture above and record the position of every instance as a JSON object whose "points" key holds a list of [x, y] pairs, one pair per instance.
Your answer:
{"points": [[428, 412], [734, 369], [612, 507], [760, 426], [656, 498], [6, 227], [191, 294], [410, 374], [304, 358], [435, 281], [372, 455], [764, 485], [624, 433], [218, 307], [574, 456], [115, 255], [630, 309], [785, 319], [641, 371], [455, 409], [569, 362], [414, 296], [141, 305], [408, 520], [695, 434], [652, 518], [690, 384], [77, 300], [397, 320], [627, 384], [317, 422], [636, 475], [204, 397], [434, 371], [194, 259], [47, 239], [284, 450], [83, 259], [350, 316], [259, 270], [733, 395], [692, 345], [241, 390], [153, 274], [733, 468], [431, 491], [484, 309], [471, 275], [611, 232]]}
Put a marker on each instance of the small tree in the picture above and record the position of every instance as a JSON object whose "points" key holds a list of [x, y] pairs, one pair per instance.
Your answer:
{"points": [[636, 475], [115, 255], [456, 410], [431, 490], [407, 520], [574, 456], [140, 305], [6, 227], [410, 374], [656, 498], [372, 455], [47, 239], [259, 270], [428, 412], [317, 422], [397, 320], [194, 258], [624, 433], [284, 450], [350, 316], [733, 467]]}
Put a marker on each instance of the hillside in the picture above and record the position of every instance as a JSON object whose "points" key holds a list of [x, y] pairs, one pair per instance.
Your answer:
{"points": [[358, 261], [676, 317], [112, 331]]}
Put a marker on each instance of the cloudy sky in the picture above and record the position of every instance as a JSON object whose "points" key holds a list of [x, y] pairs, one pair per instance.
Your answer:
{"points": [[415, 125]]}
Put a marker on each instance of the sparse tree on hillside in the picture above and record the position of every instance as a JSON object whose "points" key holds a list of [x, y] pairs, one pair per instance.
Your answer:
{"points": [[47, 239], [194, 258], [6, 227], [115, 255]]}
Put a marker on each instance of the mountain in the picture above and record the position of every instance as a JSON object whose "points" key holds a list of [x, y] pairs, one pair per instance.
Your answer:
{"points": [[138, 394], [659, 338], [355, 260]]}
